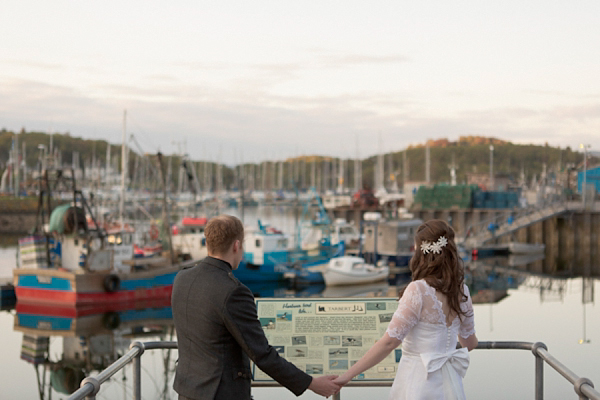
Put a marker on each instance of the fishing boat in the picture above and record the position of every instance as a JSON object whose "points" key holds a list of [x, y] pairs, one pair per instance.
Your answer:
{"points": [[188, 237], [86, 268], [338, 231], [268, 257], [349, 270], [389, 241], [66, 261]]}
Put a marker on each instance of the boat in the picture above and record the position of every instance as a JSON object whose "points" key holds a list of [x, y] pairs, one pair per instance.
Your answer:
{"points": [[389, 241], [83, 270], [299, 278], [268, 257], [348, 270], [338, 231], [68, 262], [188, 237]]}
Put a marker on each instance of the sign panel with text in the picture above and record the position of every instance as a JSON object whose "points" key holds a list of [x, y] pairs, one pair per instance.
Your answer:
{"points": [[327, 336]]}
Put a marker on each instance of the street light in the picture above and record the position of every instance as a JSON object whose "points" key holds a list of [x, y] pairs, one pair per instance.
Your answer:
{"points": [[492, 166], [584, 147]]}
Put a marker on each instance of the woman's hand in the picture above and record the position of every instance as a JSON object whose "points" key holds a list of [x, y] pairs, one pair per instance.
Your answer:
{"points": [[341, 380]]}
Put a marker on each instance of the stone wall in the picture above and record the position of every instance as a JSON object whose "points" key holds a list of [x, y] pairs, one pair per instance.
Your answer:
{"points": [[16, 222]]}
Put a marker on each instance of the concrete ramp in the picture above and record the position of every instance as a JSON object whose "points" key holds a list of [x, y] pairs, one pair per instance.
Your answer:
{"points": [[493, 229]]}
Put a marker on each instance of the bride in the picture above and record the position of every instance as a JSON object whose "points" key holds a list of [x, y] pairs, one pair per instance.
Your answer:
{"points": [[434, 312]]}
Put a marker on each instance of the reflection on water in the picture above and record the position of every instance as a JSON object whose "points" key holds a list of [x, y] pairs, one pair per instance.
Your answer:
{"points": [[91, 339], [58, 346]]}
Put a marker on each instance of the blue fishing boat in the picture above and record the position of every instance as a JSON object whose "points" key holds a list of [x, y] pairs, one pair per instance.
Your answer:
{"points": [[268, 257]]}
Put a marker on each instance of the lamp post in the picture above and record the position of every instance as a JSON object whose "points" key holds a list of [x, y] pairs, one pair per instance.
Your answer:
{"points": [[583, 187], [492, 166]]}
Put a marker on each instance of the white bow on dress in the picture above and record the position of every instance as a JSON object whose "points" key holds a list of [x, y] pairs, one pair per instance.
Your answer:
{"points": [[458, 359]]}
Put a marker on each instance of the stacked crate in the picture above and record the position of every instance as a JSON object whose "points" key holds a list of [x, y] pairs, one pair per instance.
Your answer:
{"points": [[444, 197], [32, 252], [495, 199]]}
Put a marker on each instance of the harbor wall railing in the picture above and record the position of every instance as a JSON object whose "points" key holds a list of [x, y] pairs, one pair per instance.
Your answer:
{"points": [[583, 387]]}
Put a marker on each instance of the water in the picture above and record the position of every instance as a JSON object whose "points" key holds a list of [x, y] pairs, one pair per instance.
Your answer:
{"points": [[554, 315]]}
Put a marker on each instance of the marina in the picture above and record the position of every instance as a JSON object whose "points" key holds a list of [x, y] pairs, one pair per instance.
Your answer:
{"points": [[361, 147], [90, 280], [559, 306]]}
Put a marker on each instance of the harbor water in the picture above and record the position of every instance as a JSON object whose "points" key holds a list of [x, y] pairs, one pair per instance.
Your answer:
{"points": [[514, 304]]}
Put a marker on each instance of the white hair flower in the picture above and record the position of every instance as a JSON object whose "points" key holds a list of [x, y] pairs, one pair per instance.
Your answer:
{"points": [[425, 247], [436, 247], [442, 241]]}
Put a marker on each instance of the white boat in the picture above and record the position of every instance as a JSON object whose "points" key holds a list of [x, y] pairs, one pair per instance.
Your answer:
{"points": [[353, 271], [188, 237]]}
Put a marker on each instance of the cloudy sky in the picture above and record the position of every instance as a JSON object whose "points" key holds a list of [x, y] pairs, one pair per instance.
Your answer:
{"points": [[244, 81]]}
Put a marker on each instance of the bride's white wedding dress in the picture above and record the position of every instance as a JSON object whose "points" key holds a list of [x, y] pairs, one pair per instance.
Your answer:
{"points": [[430, 367]]}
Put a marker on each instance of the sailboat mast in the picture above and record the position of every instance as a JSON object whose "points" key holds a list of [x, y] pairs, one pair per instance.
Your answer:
{"points": [[123, 169]]}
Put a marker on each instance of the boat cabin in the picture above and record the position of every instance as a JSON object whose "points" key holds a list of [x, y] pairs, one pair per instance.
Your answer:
{"points": [[391, 240], [188, 237], [264, 247]]}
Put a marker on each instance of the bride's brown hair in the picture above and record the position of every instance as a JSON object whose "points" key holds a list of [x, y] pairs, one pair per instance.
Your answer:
{"points": [[443, 271]]}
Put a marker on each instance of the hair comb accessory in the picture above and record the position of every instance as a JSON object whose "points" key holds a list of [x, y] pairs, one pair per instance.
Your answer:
{"points": [[436, 247]]}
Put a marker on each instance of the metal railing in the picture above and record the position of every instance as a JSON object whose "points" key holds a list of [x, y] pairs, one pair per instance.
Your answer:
{"points": [[583, 387]]}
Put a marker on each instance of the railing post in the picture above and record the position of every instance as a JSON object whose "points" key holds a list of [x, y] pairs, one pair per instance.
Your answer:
{"points": [[580, 382], [539, 370], [95, 383], [137, 371]]}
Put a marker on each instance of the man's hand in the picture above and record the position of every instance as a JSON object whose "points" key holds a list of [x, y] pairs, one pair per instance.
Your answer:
{"points": [[341, 381], [324, 385]]}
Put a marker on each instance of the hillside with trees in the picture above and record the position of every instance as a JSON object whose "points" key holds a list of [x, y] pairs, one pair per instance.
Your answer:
{"points": [[471, 154]]}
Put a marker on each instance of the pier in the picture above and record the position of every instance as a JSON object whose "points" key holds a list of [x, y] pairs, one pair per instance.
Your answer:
{"points": [[570, 231]]}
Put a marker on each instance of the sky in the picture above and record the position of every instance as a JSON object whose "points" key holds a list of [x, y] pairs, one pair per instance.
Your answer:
{"points": [[239, 81]]}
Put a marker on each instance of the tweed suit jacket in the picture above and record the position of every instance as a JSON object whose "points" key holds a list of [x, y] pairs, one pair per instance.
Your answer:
{"points": [[218, 331]]}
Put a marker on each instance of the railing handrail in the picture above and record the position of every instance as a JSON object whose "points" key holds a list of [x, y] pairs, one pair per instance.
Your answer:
{"points": [[583, 387]]}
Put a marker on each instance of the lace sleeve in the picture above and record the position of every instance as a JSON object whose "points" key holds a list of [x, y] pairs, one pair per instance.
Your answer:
{"points": [[408, 313], [467, 326]]}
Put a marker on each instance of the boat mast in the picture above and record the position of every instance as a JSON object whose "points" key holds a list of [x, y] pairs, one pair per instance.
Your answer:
{"points": [[123, 169], [166, 219]]}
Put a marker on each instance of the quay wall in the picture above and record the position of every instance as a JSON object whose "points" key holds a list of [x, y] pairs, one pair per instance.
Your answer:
{"points": [[17, 222]]}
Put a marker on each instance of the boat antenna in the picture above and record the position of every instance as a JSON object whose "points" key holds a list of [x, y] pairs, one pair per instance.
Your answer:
{"points": [[123, 172]]}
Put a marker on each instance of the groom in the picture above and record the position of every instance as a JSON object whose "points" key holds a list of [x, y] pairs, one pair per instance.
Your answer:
{"points": [[218, 329]]}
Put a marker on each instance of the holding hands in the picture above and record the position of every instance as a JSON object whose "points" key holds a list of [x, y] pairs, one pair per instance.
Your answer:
{"points": [[325, 385], [342, 380]]}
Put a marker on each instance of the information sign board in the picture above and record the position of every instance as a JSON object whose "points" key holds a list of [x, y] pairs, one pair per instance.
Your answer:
{"points": [[327, 336]]}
